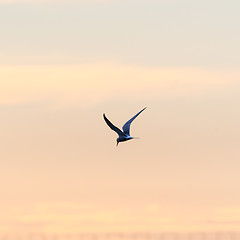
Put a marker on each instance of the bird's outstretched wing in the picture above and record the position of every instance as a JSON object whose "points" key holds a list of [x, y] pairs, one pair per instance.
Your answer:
{"points": [[126, 126], [114, 128]]}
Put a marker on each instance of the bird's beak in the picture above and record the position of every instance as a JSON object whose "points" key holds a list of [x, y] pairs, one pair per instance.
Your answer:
{"points": [[117, 144]]}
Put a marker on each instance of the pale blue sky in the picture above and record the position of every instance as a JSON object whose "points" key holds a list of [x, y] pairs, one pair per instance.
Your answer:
{"points": [[159, 33]]}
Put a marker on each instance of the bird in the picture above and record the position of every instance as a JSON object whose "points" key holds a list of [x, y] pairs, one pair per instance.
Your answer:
{"points": [[125, 134]]}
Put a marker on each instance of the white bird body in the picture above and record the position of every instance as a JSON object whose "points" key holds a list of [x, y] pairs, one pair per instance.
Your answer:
{"points": [[125, 134]]}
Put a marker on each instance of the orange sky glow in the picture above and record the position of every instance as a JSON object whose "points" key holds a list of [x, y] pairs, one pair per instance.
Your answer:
{"points": [[63, 64]]}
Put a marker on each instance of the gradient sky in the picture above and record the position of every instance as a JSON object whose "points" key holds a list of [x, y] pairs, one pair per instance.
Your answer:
{"points": [[65, 63]]}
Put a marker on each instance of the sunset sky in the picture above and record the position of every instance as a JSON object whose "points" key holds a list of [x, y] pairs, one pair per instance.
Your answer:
{"points": [[65, 63]]}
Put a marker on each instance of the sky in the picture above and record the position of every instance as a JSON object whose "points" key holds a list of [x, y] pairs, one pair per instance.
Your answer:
{"points": [[65, 63]]}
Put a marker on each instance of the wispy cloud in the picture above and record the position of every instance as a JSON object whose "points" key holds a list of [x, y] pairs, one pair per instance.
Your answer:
{"points": [[88, 84], [226, 216], [74, 217], [59, 217]]}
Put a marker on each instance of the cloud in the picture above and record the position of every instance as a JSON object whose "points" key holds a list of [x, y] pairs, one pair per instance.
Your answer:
{"points": [[224, 222], [88, 84], [226, 216], [74, 217]]}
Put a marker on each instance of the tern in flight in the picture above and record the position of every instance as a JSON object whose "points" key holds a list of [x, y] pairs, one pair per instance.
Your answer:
{"points": [[125, 134]]}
